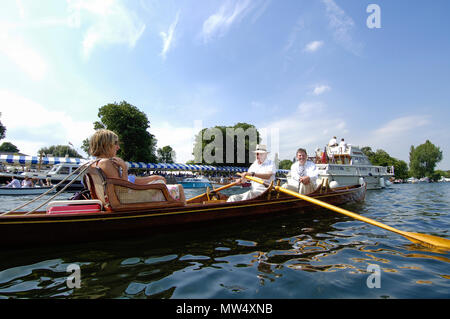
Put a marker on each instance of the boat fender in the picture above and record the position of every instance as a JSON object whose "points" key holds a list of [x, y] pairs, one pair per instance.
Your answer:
{"points": [[382, 185], [361, 181], [334, 184]]}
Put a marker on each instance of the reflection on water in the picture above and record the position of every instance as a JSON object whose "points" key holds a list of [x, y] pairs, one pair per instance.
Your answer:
{"points": [[317, 254]]}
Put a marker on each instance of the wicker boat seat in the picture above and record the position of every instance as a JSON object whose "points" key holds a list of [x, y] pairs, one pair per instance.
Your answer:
{"points": [[118, 194]]}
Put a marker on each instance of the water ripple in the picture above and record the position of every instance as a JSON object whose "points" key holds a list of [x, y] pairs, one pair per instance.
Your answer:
{"points": [[317, 254]]}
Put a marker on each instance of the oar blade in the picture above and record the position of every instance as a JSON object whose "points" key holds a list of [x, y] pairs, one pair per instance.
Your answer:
{"points": [[423, 239], [428, 240]]}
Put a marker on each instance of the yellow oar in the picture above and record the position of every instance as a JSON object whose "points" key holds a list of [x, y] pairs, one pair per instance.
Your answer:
{"points": [[216, 190], [424, 239]]}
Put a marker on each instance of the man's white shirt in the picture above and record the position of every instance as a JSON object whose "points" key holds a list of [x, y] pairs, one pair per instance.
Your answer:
{"points": [[297, 170], [266, 167]]}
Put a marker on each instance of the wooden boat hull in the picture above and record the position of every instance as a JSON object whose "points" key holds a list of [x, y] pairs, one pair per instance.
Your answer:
{"points": [[40, 228]]}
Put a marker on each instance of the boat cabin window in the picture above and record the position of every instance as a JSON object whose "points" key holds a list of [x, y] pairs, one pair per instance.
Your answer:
{"points": [[54, 169], [360, 160], [64, 170]]}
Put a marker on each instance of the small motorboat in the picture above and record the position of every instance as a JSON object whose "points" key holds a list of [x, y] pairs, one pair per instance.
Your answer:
{"points": [[196, 182], [24, 190]]}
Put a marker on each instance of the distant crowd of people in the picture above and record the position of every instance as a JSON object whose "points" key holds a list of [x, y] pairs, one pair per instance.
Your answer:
{"points": [[28, 182]]}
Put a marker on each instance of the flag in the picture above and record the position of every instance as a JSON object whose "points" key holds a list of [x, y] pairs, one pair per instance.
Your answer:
{"points": [[324, 156]]}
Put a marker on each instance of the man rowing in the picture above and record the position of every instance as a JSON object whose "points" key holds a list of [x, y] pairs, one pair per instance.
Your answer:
{"points": [[262, 168], [303, 175]]}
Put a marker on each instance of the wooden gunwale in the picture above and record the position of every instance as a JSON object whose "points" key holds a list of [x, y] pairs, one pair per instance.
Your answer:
{"points": [[42, 217]]}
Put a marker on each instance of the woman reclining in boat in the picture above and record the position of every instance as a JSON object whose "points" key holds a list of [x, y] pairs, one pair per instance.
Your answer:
{"points": [[104, 145]]}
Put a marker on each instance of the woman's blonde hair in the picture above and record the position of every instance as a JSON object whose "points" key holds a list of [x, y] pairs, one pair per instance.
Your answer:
{"points": [[102, 141]]}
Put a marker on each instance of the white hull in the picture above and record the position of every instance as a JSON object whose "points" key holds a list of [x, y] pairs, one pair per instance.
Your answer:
{"points": [[376, 177], [350, 166], [23, 191], [58, 173]]}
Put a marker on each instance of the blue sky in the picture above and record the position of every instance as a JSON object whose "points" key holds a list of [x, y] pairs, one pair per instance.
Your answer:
{"points": [[301, 71]]}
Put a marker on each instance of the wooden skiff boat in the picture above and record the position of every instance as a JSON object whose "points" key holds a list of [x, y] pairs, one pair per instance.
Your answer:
{"points": [[113, 213]]}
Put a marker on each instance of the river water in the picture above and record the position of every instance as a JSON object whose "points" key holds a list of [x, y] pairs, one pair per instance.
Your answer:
{"points": [[317, 254]]}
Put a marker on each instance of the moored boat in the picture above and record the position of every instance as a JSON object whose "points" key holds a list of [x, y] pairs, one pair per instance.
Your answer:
{"points": [[23, 191], [58, 173], [196, 182], [120, 209], [347, 166]]}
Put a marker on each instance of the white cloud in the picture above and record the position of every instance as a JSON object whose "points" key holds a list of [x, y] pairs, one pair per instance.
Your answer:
{"points": [[110, 23], [218, 24], [28, 59], [341, 25], [21, 9], [180, 138], [320, 89], [397, 135], [313, 46], [308, 126], [168, 38], [40, 127], [402, 125]]}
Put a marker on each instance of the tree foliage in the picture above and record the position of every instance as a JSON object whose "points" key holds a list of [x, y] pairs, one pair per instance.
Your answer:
{"points": [[2, 130], [166, 155], [85, 146], [8, 147], [285, 164], [442, 173], [59, 150], [382, 158], [226, 145], [130, 124], [423, 159]]}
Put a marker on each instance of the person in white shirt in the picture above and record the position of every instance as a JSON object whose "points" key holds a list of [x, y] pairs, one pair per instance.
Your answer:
{"points": [[262, 168], [14, 183], [342, 146], [303, 175], [27, 182], [333, 142]]}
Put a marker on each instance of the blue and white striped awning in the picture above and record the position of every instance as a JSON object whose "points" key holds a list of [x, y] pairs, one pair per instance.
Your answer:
{"points": [[185, 167], [27, 160]]}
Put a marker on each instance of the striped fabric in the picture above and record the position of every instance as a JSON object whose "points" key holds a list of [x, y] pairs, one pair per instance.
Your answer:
{"points": [[22, 159]]}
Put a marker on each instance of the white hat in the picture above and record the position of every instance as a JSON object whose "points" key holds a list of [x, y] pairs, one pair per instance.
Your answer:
{"points": [[261, 148]]}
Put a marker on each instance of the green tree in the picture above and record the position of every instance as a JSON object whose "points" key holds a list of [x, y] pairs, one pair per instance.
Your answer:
{"points": [[367, 150], [8, 147], [382, 158], [423, 159], [166, 154], [445, 174], [130, 124], [2, 130], [59, 150], [85, 146], [226, 145], [285, 164], [401, 169]]}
